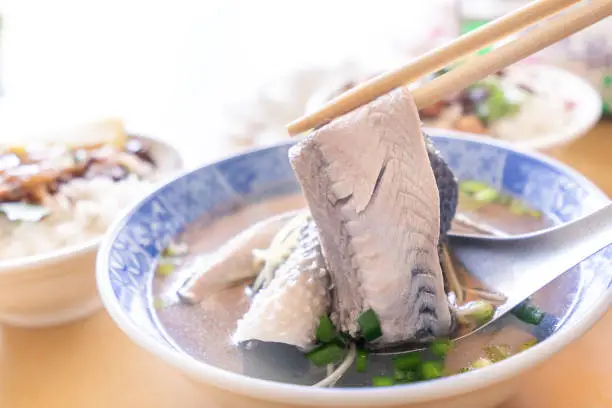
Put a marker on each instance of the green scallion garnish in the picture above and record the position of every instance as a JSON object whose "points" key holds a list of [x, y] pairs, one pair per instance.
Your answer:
{"points": [[504, 199], [441, 347], [370, 325], [407, 362], [343, 338], [471, 186], [498, 352], [361, 361], [534, 213], [477, 312], [497, 105], [481, 362], [25, 212], [175, 249], [382, 381], [529, 314], [486, 195], [165, 269], [404, 377], [326, 354], [518, 208], [159, 303], [430, 370], [528, 344], [326, 331]]}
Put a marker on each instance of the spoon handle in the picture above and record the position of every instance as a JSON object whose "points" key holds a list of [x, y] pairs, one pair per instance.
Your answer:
{"points": [[518, 268]]}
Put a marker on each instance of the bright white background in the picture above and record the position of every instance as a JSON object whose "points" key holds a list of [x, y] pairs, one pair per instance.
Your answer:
{"points": [[176, 68]]}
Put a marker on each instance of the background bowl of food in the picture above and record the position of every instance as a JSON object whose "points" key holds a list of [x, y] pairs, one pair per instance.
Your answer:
{"points": [[532, 106], [58, 195], [174, 236]]}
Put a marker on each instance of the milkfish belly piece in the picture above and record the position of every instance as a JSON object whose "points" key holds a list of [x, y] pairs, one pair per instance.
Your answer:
{"points": [[372, 193], [287, 310], [233, 262]]}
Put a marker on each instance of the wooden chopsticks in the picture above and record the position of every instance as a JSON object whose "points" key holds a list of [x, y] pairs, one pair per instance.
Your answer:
{"points": [[576, 19]]}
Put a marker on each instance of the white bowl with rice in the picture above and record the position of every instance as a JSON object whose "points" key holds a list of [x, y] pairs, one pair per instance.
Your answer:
{"points": [[47, 264]]}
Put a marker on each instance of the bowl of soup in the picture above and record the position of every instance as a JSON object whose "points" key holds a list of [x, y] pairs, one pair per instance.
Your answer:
{"points": [[58, 194], [202, 220]]}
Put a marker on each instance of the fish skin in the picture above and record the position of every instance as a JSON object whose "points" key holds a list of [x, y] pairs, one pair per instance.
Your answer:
{"points": [[371, 190], [448, 187], [288, 309]]}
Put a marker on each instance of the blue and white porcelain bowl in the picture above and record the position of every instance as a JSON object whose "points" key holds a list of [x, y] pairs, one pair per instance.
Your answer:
{"points": [[130, 249]]}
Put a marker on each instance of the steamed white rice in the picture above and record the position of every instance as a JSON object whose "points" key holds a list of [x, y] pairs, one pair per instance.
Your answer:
{"points": [[82, 210], [542, 114]]}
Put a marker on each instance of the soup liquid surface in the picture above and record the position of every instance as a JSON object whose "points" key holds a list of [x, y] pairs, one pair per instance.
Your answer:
{"points": [[204, 330], [494, 216]]}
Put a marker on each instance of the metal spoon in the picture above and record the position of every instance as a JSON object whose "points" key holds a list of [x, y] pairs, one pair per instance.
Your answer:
{"points": [[518, 266]]}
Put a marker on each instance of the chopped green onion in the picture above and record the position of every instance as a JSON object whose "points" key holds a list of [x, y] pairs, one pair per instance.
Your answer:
{"points": [[518, 208], [159, 303], [370, 325], [175, 249], [504, 199], [326, 331], [382, 381], [534, 213], [361, 361], [165, 269], [487, 195], [430, 370], [404, 377], [528, 344], [407, 362], [481, 362], [498, 353], [20, 211], [529, 314], [399, 375], [472, 186], [477, 312], [343, 338], [468, 203], [441, 347], [326, 354], [464, 370], [497, 105]]}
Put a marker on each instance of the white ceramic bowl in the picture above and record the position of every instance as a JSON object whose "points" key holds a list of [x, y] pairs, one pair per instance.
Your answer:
{"points": [[554, 81], [125, 271], [59, 286]]}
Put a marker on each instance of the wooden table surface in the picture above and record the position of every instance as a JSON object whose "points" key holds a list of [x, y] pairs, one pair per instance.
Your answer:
{"points": [[92, 364]]}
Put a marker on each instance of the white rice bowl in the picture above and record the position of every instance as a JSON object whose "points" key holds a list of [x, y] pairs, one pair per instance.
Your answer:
{"points": [[47, 275], [85, 209]]}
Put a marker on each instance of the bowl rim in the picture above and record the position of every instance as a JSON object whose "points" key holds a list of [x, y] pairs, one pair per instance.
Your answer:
{"points": [[590, 101], [364, 397], [24, 263]]}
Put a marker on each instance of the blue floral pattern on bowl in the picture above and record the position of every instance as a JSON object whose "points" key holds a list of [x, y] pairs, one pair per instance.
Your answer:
{"points": [[130, 249]]}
